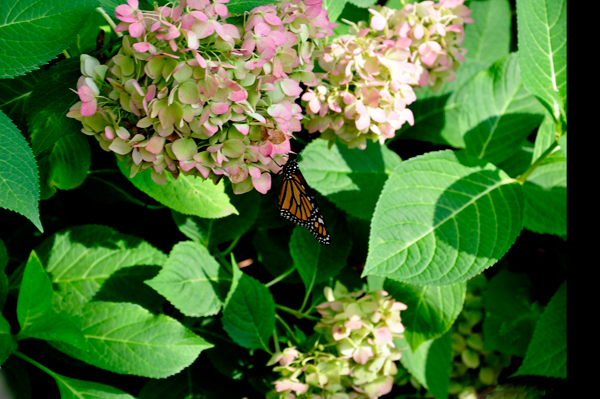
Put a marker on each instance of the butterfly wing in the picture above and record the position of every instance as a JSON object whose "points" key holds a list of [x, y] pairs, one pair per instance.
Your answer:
{"points": [[297, 203]]}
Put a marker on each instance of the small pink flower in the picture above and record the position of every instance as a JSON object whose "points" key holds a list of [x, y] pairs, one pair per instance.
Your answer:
{"points": [[383, 335], [429, 52]]}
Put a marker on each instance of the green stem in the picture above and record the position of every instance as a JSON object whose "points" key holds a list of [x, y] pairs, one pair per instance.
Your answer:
{"points": [[36, 364], [279, 278], [296, 313], [91, 172], [223, 262], [308, 292], [109, 20], [551, 150], [276, 341], [126, 195], [231, 246], [66, 54], [287, 328]]}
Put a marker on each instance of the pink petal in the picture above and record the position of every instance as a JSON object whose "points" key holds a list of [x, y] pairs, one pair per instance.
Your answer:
{"points": [[86, 94], [363, 122], [262, 29], [362, 354], [88, 108], [377, 21], [263, 184], [136, 29], [142, 47], [155, 144], [291, 87], [221, 10], [242, 128], [205, 29], [219, 108], [272, 19], [383, 335]]}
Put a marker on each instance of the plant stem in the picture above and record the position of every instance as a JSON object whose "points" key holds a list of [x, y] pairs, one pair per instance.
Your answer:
{"points": [[231, 246], [276, 341], [223, 262], [296, 313], [109, 20], [66, 54], [551, 150], [36, 364], [280, 277], [306, 299], [126, 195], [287, 328]]}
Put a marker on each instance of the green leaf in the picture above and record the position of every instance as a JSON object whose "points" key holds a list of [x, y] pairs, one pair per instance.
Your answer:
{"points": [[351, 179], [334, 8], [187, 194], [547, 353], [542, 27], [71, 388], [501, 114], [430, 364], [546, 135], [518, 162], [546, 197], [316, 262], [437, 115], [192, 280], [249, 314], [363, 3], [127, 339], [442, 218], [431, 310], [14, 94], [8, 342], [563, 144], [3, 277], [211, 232], [19, 189], [34, 32], [241, 6], [49, 103], [81, 258], [36, 315], [510, 314], [86, 39], [65, 164], [129, 285], [488, 38]]}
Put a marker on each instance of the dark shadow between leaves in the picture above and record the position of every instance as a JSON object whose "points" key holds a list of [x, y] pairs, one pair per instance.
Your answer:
{"points": [[500, 147], [369, 178], [127, 285]]}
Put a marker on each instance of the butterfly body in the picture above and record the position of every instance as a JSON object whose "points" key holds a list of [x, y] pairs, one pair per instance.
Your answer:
{"points": [[296, 202]]}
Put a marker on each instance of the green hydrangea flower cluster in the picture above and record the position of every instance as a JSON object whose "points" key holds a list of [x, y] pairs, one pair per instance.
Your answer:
{"points": [[197, 91], [473, 369], [357, 359]]}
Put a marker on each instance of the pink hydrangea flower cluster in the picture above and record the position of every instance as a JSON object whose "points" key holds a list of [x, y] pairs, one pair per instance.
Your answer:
{"points": [[370, 74], [361, 327], [194, 92]]}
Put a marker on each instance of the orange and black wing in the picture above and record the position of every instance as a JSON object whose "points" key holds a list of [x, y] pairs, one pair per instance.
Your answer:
{"points": [[297, 203]]}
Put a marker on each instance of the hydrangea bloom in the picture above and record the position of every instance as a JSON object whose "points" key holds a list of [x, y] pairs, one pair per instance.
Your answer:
{"points": [[361, 328], [370, 74], [190, 93]]}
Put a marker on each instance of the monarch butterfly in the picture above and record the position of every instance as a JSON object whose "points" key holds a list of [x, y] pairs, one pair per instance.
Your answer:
{"points": [[297, 203]]}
